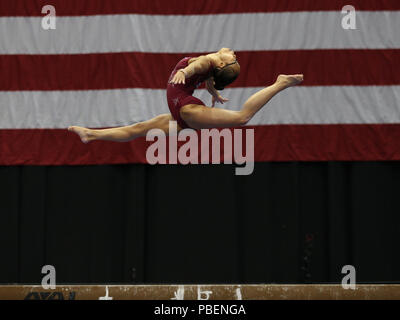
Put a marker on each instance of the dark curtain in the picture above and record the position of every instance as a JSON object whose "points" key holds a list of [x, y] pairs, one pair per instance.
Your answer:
{"points": [[295, 222]]}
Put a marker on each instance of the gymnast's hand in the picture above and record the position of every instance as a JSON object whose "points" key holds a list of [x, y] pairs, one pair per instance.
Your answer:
{"points": [[179, 77], [218, 99]]}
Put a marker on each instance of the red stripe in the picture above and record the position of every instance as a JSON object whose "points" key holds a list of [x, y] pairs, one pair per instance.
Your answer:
{"points": [[95, 7], [259, 68], [373, 142]]}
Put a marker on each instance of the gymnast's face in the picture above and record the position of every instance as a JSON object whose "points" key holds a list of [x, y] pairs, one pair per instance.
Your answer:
{"points": [[227, 56]]}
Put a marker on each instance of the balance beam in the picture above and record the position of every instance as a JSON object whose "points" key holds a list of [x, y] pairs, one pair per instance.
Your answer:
{"points": [[201, 292]]}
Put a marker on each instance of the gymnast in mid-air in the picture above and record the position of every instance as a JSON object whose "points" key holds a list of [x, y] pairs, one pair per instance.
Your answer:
{"points": [[217, 70]]}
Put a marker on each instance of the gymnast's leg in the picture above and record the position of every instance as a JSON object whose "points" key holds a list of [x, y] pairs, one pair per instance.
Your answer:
{"points": [[199, 117], [124, 134]]}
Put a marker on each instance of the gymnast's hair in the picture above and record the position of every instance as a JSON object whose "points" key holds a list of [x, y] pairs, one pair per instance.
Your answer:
{"points": [[226, 75]]}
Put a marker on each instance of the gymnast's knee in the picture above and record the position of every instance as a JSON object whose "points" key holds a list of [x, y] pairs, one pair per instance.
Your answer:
{"points": [[242, 118]]}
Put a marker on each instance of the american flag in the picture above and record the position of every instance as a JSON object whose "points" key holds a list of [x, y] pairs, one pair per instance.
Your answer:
{"points": [[107, 64]]}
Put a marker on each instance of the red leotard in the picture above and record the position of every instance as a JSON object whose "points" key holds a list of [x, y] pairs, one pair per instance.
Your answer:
{"points": [[179, 95]]}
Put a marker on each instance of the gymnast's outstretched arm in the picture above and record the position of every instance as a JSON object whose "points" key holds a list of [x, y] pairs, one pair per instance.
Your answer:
{"points": [[199, 66]]}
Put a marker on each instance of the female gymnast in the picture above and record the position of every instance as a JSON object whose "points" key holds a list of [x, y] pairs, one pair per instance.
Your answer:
{"points": [[217, 70]]}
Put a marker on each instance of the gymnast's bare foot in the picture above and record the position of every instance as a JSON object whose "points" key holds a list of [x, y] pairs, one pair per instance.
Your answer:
{"points": [[290, 80], [85, 134]]}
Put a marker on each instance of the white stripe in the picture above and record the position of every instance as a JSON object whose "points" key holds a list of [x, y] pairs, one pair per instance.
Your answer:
{"points": [[199, 33], [102, 108]]}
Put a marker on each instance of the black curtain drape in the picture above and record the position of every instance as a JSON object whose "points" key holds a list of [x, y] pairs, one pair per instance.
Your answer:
{"points": [[294, 222]]}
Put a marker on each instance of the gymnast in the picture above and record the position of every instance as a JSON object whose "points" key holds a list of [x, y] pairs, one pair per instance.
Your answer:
{"points": [[217, 70]]}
